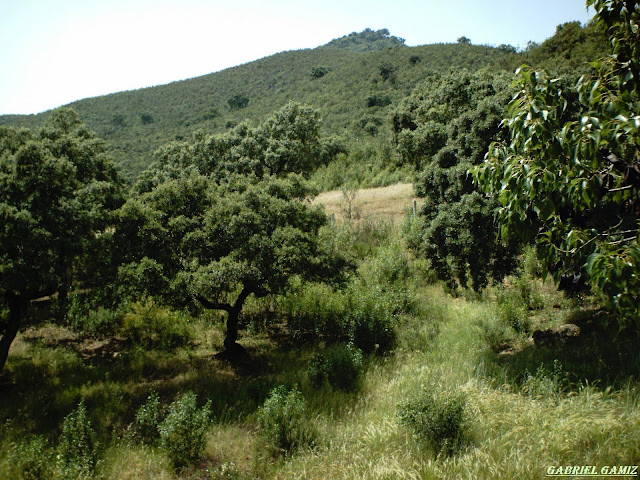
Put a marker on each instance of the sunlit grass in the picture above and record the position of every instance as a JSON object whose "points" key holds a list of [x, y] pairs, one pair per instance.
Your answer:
{"points": [[527, 407]]}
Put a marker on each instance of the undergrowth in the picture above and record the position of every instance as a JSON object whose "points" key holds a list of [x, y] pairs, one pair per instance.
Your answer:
{"points": [[460, 390]]}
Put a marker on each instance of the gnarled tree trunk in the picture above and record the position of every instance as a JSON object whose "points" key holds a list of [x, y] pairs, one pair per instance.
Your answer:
{"points": [[17, 310], [233, 350]]}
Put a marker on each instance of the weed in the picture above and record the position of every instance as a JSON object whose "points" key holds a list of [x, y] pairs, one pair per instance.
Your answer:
{"points": [[94, 321], [512, 311], [148, 420], [29, 459], [373, 316], [439, 420], [496, 333], [182, 432], [150, 325], [77, 451], [283, 423], [545, 381], [340, 365], [315, 310]]}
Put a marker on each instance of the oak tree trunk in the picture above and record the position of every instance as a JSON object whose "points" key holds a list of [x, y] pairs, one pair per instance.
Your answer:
{"points": [[17, 310]]}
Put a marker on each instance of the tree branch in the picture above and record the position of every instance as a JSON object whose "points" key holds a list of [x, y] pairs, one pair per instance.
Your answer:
{"points": [[619, 189], [624, 240], [213, 305]]}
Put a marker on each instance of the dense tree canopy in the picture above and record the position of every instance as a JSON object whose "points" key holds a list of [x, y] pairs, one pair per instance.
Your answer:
{"points": [[571, 182], [193, 240], [443, 129], [57, 193], [288, 141], [226, 217]]}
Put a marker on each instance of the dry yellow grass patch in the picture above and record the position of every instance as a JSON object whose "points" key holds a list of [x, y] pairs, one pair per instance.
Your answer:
{"points": [[390, 202]]}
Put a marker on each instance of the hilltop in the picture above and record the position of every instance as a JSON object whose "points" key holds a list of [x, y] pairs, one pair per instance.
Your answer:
{"points": [[354, 81]]}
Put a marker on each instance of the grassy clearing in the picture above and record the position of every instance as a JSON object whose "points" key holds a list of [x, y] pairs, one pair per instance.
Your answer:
{"points": [[513, 434], [390, 203], [521, 418]]}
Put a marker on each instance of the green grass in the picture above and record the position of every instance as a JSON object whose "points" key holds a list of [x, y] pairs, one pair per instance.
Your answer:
{"points": [[526, 407]]}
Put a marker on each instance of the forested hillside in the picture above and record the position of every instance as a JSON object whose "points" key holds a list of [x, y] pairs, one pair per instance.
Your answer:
{"points": [[354, 82]]}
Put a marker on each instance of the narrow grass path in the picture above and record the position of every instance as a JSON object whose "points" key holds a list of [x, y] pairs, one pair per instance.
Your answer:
{"points": [[512, 434]]}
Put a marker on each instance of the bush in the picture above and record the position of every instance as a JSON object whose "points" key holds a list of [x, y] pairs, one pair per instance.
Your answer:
{"points": [[439, 420], [283, 423], [238, 102], [319, 72], [496, 333], [316, 310], [389, 267], [100, 321], [372, 328], [150, 325], [182, 432], [378, 100], [77, 451], [29, 459], [512, 311], [148, 420], [513, 314], [340, 365], [373, 316]]}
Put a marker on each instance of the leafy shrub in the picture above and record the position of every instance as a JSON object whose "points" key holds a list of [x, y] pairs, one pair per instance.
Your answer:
{"points": [[497, 333], [366, 312], [545, 382], [372, 328], [373, 316], [389, 267], [182, 432], [146, 118], [386, 70], [513, 314], [283, 422], [512, 310], [77, 450], [84, 317], [150, 325], [316, 310], [340, 365], [148, 419], [531, 298], [29, 459], [439, 420], [102, 321], [378, 100], [319, 72], [238, 102]]}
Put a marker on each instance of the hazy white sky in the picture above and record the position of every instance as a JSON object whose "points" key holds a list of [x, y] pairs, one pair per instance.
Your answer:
{"points": [[57, 51]]}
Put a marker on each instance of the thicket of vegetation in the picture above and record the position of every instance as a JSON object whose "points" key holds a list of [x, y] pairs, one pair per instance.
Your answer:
{"points": [[207, 320]]}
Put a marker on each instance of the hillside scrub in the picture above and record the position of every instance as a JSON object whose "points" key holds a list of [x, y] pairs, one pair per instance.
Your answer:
{"points": [[136, 123]]}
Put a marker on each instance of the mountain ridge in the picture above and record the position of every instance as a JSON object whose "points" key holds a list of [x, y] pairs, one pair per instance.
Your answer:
{"points": [[353, 81]]}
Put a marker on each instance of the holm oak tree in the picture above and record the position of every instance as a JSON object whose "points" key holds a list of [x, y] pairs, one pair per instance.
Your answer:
{"points": [[57, 192]]}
